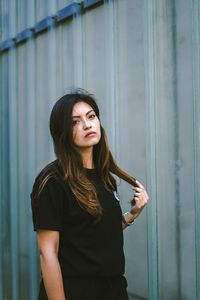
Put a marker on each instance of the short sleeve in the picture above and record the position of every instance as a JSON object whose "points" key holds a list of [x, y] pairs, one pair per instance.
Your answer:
{"points": [[49, 211]]}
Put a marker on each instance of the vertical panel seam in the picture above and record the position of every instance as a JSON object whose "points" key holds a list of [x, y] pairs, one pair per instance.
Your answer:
{"points": [[78, 49], [151, 98], [177, 151], [110, 66], [13, 178], [196, 135]]}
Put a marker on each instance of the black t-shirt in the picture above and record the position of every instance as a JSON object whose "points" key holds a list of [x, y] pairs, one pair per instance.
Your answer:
{"points": [[86, 248]]}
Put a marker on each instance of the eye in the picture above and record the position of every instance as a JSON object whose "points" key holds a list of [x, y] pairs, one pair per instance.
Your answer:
{"points": [[92, 116], [75, 122]]}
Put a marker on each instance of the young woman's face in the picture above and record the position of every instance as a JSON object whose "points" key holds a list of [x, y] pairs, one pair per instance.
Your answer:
{"points": [[86, 126]]}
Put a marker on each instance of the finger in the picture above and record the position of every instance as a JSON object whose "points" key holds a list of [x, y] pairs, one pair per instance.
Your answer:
{"points": [[140, 185], [136, 200], [140, 190], [137, 189], [141, 197], [146, 195], [137, 195]]}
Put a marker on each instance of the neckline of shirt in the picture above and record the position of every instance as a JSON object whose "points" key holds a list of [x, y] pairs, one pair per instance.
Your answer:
{"points": [[91, 172]]}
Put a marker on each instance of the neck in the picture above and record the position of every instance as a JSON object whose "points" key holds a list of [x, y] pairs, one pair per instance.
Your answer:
{"points": [[87, 157]]}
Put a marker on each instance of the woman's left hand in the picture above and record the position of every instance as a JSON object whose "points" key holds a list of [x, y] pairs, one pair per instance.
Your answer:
{"points": [[140, 199]]}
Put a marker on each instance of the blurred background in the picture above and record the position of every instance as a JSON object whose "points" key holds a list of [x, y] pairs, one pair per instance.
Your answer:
{"points": [[140, 58]]}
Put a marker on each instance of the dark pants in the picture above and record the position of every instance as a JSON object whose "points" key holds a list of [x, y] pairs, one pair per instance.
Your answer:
{"points": [[111, 288]]}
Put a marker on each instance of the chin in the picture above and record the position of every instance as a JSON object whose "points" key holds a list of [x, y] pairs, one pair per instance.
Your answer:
{"points": [[89, 144], [96, 141]]}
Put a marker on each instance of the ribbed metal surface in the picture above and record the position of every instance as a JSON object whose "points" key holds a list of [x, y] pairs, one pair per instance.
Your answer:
{"points": [[141, 60]]}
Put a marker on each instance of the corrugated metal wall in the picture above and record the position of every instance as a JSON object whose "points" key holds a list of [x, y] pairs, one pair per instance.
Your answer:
{"points": [[142, 61]]}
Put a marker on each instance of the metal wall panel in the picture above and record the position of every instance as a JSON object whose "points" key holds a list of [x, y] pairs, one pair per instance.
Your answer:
{"points": [[161, 148], [195, 9], [130, 131], [5, 250], [141, 60], [4, 26]]}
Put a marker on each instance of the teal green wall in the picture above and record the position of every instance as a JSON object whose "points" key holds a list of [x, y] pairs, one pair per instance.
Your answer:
{"points": [[141, 59]]}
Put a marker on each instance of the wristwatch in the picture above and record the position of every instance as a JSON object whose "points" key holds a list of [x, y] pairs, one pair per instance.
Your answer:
{"points": [[124, 220]]}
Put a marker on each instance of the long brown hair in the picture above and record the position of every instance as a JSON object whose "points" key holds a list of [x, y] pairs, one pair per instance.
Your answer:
{"points": [[69, 164]]}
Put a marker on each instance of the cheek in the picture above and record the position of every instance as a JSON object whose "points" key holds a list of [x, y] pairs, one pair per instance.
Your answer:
{"points": [[99, 128], [77, 136], [74, 135]]}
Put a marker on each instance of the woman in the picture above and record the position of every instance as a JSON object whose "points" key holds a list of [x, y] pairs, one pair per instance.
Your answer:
{"points": [[76, 209]]}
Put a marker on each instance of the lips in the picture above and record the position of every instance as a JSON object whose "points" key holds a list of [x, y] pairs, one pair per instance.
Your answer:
{"points": [[91, 133]]}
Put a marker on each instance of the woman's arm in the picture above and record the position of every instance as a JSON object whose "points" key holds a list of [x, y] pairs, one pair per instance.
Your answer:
{"points": [[48, 243], [140, 198]]}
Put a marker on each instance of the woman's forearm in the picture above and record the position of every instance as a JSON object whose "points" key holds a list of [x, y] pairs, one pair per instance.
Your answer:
{"points": [[52, 277]]}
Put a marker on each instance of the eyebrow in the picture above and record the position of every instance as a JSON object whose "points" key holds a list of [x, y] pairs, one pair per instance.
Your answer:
{"points": [[86, 114]]}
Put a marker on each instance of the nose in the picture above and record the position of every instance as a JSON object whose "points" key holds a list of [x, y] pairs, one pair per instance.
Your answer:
{"points": [[86, 124]]}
